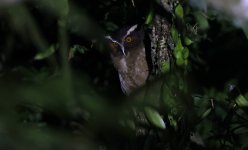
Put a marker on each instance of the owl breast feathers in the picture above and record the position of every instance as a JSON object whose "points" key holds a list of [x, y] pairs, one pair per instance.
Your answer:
{"points": [[129, 57]]}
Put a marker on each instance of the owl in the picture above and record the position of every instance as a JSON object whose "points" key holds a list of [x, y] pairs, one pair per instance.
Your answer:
{"points": [[127, 51]]}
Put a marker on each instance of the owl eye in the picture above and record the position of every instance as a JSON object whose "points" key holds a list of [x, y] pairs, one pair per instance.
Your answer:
{"points": [[113, 44], [128, 39]]}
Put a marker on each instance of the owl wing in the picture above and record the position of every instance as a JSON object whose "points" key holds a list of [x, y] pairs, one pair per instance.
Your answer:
{"points": [[124, 85]]}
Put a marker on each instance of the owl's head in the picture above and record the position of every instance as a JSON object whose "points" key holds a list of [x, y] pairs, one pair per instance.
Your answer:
{"points": [[124, 41]]}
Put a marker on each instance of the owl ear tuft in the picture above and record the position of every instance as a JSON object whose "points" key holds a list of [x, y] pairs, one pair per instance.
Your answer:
{"points": [[131, 29], [108, 37]]}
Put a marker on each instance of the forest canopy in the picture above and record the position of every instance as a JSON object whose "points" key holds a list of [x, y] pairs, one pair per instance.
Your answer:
{"points": [[61, 86]]}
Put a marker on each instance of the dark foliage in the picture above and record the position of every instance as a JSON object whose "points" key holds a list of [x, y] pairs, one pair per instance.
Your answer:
{"points": [[59, 89]]}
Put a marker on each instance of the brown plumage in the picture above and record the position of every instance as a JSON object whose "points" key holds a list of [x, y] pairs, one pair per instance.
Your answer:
{"points": [[129, 57]]}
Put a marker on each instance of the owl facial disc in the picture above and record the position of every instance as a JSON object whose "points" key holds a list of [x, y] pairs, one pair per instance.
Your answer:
{"points": [[130, 30], [121, 43]]}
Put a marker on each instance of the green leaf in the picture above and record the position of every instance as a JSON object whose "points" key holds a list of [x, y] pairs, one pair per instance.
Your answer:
{"points": [[181, 54], [149, 17], [201, 20], [165, 67], [180, 61], [76, 48], [186, 62], [179, 11], [131, 124], [178, 53], [174, 34], [185, 53], [81, 49], [154, 117], [187, 41], [169, 101], [206, 113], [45, 54], [241, 130], [179, 48], [242, 101], [173, 122]]}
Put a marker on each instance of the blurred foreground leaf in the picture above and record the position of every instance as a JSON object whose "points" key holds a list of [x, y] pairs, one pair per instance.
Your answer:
{"points": [[242, 101], [154, 117], [46, 53], [179, 11]]}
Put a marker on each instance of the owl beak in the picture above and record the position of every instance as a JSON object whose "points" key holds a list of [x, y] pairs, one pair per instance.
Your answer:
{"points": [[123, 50]]}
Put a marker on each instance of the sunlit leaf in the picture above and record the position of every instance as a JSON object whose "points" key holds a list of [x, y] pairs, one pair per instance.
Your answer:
{"points": [[178, 49], [149, 17], [154, 117], [179, 11], [181, 53], [187, 41], [45, 54], [242, 101]]}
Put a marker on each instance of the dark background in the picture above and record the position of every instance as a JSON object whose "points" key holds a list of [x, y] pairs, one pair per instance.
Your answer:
{"points": [[42, 100]]}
